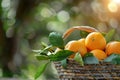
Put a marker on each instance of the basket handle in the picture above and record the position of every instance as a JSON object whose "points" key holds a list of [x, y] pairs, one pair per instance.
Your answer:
{"points": [[83, 28]]}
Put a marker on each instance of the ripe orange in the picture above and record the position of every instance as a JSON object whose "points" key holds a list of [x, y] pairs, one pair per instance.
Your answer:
{"points": [[113, 47], [95, 40], [82, 41], [99, 54], [76, 46]]}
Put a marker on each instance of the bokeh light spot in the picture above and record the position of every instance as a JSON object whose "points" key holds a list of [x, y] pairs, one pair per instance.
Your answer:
{"points": [[112, 7], [113, 23], [63, 16], [5, 3], [102, 27], [45, 12], [56, 26], [116, 1]]}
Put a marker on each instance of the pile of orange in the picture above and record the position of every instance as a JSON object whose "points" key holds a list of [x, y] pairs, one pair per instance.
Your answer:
{"points": [[94, 43]]}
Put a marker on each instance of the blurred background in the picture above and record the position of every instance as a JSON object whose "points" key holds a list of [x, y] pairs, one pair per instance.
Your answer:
{"points": [[24, 24]]}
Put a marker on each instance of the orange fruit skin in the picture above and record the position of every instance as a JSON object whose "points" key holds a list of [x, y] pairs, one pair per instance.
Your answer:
{"points": [[82, 41], [77, 46], [99, 54], [113, 47], [82, 49], [95, 40]]}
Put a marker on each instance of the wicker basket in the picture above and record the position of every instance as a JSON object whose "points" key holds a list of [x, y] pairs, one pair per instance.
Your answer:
{"points": [[89, 71]]}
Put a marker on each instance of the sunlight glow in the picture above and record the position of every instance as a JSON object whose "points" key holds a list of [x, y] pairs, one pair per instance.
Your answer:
{"points": [[112, 7], [116, 1]]}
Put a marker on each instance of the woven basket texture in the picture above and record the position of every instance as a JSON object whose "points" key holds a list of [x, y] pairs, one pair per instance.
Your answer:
{"points": [[74, 71]]}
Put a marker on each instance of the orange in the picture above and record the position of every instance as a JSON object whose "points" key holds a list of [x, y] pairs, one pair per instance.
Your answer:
{"points": [[99, 54], [113, 47], [82, 41], [95, 40], [76, 46]]}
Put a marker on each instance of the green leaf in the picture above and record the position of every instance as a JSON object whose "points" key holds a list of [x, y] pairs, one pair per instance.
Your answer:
{"points": [[41, 70], [48, 48], [116, 60], [83, 34], [103, 33], [113, 58], [90, 59], [50, 73], [41, 57], [44, 51], [36, 51], [60, 55], [109, 35], [78, 59], [44, 45], [64, 63], [56, 40]]}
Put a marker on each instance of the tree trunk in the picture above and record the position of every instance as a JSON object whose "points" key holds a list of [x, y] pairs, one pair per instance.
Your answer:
{"points": [[8, 46]]}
